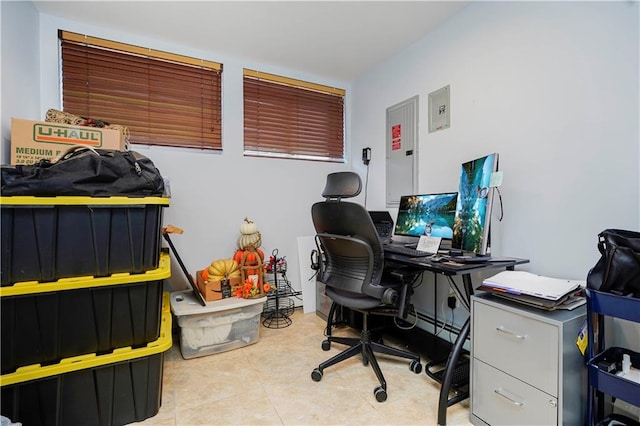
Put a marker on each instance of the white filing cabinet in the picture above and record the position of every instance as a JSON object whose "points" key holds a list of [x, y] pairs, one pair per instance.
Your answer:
{"points": [[526, 368]]}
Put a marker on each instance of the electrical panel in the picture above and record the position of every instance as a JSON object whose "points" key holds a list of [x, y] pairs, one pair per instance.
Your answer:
{"points": [[401, 150]]}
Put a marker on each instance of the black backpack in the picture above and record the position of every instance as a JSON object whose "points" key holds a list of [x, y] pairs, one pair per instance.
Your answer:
{"points": [[85, 171]]}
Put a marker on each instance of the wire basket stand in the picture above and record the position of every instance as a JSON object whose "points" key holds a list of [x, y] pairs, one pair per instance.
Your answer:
{"points": [[278, 308]]}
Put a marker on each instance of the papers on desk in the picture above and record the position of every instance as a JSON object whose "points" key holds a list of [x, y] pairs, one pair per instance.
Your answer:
{"points": [[535, 290], [522, 282]]}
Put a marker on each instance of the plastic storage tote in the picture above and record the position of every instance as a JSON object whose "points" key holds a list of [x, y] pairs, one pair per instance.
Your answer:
{"points": [[219, 326], [42, 323], [47, 238], [122, 387]]}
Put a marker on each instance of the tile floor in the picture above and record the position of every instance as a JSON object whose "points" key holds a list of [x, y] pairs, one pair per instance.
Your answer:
{"points": [[269, 383]]}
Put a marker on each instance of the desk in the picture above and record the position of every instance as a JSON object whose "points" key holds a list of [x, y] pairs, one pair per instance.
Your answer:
{"points": [[465, 271]]}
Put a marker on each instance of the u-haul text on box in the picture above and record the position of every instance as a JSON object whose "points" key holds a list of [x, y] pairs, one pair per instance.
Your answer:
{"points": [[32, 141]]}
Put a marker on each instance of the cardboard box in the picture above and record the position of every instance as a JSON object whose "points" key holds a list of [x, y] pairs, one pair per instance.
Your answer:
{"points": [[32, 141], [216, 290]]}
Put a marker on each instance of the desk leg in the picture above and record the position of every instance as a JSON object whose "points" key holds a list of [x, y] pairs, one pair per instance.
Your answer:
{"points": [[454, 355], [443, 402]]}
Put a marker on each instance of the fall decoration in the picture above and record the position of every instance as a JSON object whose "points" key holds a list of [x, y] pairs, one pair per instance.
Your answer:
{"points": [[249, 235], [252, 258], [248, 227], [217, 280], [247, 290], [223, 269], [250, 261], [251, 267]]}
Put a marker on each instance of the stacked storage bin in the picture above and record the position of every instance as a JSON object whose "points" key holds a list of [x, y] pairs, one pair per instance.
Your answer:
{"points": [[84, 320]]}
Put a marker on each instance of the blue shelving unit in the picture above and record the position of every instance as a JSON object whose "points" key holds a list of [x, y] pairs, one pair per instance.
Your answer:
{"points": [[601, 380]]}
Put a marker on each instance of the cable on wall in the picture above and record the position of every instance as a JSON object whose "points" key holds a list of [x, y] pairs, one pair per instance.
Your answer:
{"points": [[366, 158], [501, 208]]}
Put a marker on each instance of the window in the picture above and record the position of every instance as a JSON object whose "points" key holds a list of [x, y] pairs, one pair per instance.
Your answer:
{"points": [[292, 119], [163, 98]]}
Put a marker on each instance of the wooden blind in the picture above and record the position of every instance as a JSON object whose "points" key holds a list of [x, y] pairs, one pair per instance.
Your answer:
{"points": [[292, 119], [163, 98]]}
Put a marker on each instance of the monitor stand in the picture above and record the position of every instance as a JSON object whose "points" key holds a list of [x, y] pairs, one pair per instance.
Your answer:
{"points": [[461, 256]]}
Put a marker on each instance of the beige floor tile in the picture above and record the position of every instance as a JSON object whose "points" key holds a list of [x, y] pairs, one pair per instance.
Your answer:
{"points": [[269, 383], [249, 409]]}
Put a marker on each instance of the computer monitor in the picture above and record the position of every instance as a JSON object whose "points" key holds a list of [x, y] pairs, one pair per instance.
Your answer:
{"points": [[473, 210], [425, 214]]}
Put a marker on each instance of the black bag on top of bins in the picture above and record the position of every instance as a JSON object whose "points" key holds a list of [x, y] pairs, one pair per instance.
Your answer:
{"points": [[85, 171], [618, 269]]}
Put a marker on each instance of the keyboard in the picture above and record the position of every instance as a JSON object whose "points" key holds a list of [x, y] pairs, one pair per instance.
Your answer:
{"points": [[407, 251], [383, 229]]}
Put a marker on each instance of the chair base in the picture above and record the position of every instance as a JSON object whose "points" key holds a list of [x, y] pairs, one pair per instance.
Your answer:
{"points": [[367, 348]]}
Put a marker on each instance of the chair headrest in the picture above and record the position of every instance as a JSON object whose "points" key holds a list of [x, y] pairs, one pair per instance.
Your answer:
{"points": [[342, 185]]}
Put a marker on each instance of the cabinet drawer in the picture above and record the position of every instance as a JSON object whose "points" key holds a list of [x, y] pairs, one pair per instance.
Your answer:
{"points": [[518, 345], [499, 399]]}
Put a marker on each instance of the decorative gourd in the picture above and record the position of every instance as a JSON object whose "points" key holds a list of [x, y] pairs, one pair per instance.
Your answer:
{"points": [[248, 227], [249, 235], [223, 269], [246, 241]]}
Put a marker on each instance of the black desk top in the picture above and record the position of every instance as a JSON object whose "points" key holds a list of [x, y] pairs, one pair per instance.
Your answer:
{"points": [[450, 267]]}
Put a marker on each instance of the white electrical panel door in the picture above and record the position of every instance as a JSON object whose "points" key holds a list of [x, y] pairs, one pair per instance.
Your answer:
{"points": [[401, 151]]}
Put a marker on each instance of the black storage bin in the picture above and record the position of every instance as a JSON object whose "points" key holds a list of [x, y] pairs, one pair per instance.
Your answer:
{"points": [[48, 238], [43, 323], [107, 390]]}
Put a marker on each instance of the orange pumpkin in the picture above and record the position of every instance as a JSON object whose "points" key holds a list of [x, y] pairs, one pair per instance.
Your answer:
{"points": [[250, 256]]}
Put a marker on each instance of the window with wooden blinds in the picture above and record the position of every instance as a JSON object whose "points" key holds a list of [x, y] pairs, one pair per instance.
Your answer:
{"points": [[292, 119], [163, 98]]}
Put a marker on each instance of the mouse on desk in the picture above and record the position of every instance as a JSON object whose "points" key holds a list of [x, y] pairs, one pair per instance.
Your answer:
{"points": [[436, 259]]}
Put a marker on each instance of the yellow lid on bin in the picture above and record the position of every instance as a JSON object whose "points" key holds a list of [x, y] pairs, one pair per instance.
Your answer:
{"points": [[68, 200], [31, 287]]}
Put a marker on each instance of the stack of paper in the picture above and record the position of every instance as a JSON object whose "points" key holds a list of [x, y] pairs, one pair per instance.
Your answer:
{"points": [[532, 289]]}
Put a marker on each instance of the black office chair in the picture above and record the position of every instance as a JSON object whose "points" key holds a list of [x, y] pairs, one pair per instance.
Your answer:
{"points": [[352, 268]]}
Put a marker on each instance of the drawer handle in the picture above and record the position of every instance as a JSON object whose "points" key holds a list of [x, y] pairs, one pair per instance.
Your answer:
{"points": [[511, 400], [501, 329]]}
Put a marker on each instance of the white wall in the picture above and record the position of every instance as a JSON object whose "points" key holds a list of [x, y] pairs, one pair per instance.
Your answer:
{"points": [[553, 88], [20, 67]]}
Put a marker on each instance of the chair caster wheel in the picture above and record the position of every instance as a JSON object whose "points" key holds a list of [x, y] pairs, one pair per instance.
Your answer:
{"points": [[326, 345], [316, 375], [416, 367], [380, 394]]}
